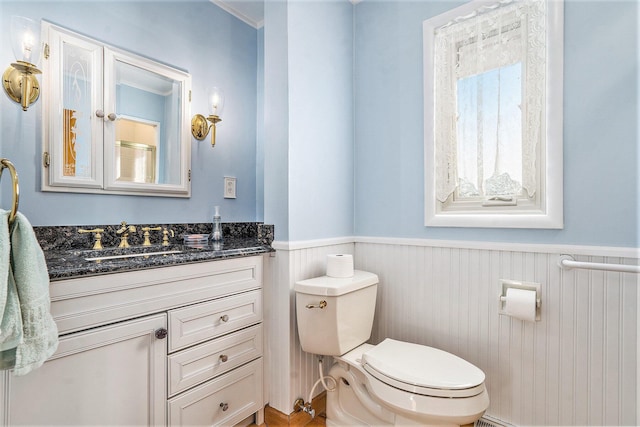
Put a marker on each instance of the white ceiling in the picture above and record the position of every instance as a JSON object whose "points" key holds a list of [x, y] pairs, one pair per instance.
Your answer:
{"points": [[249, 11]]}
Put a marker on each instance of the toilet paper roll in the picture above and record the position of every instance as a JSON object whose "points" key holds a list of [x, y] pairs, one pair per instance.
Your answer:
{"points": [[340, 265], [521, 304]]}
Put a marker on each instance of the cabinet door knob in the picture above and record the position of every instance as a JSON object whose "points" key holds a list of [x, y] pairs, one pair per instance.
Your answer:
{"points": [[223, 358], [112, 116], [224, 318], [99, 113], [161, 333], [224, 406]]}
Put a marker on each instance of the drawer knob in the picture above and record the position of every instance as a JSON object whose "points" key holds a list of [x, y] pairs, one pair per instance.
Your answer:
{"points": [[224, 318], [161, 333], [223, 358], [224, 406]]}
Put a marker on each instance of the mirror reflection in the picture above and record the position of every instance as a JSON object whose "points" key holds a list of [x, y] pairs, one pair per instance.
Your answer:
{"points": [[136, 150], [147, 146]]}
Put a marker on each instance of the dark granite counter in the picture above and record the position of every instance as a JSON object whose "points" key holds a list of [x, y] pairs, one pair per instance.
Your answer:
{"points": [[72, 261], [79, 263]]}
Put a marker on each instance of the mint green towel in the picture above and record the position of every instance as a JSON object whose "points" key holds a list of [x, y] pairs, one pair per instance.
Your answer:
{"points": [[11, 321], [31, 278]]}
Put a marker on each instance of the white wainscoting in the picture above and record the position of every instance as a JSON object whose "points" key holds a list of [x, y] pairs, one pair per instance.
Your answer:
{"points": [[292, 371], [577, 366]]}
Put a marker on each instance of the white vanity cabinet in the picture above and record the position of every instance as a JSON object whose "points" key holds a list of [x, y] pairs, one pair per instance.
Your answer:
{"points": [[177, 345]]}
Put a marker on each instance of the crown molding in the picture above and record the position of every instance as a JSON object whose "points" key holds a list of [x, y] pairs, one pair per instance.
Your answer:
{"points": [[227, 7]]}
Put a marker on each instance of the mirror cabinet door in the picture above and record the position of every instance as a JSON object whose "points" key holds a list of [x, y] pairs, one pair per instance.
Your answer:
{"points": [[145, 144], [74, 91], [114, 122]]}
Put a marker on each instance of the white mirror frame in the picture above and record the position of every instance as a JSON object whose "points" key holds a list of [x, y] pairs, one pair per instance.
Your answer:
{"points": [[551, 177], [103, 180]]}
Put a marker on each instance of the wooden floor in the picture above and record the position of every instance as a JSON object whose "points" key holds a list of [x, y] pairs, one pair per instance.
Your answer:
{"points": [[275, 418]]}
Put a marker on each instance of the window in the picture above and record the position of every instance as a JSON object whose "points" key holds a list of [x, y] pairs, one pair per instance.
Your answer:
{"points": [[493, 115]]}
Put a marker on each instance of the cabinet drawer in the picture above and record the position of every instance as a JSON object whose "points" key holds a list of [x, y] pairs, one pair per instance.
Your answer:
{"points": [[225, 400], [201, 322], [201, 363]]}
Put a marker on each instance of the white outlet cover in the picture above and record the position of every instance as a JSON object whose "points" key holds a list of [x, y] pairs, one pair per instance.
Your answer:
{"points": [[229, 187]]}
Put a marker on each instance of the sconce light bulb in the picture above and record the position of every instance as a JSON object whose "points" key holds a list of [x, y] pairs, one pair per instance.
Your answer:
{"points": [[216, 101], [27, 46], [25, 39]]}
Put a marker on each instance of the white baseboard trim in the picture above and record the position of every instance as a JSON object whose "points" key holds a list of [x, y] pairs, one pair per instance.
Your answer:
{"points": [[611, 251]]}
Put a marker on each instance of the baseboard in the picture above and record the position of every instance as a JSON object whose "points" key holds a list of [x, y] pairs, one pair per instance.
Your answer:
{"points": [[275, 418]]}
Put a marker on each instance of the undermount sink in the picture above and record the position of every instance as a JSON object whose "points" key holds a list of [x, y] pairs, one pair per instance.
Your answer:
{"points": [[122, 253], [143, 254]]}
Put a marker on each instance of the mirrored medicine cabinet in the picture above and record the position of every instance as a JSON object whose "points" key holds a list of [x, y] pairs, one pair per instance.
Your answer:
{"points": [[113, 122]]}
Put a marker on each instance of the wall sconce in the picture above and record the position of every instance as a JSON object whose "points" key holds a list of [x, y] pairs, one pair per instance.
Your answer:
{"points": [[19, 80], [199, 125]]}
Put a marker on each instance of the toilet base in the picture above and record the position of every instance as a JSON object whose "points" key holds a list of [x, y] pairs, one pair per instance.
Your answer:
{"points": [[351, 403]]}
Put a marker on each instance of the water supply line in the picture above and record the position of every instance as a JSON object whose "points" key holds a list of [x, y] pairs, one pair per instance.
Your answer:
{"points": [[300, 405]]}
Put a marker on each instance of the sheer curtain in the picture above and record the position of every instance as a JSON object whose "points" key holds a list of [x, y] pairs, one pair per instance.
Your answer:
{"points": [[489, 81]]}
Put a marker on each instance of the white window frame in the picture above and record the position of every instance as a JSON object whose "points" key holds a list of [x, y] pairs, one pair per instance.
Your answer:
{"points": [[549, 213]]}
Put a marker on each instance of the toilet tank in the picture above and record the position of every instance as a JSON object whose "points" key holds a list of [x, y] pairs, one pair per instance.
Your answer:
{"points": [[345, 321]]}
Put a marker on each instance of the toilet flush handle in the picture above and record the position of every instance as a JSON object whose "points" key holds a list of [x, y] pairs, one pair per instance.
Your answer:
{"points": [[320, 305]]}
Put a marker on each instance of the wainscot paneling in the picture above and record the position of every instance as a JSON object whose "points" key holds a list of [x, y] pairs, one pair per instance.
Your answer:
{"points": [[577, 366], [292, 371]]}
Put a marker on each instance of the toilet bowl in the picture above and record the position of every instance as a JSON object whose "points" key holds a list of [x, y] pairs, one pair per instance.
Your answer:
{"points": [[392, 383], [400, 383]]}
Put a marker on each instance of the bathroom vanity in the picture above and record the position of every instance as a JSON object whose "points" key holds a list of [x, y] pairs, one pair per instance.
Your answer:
{"points": [[179, 344]]}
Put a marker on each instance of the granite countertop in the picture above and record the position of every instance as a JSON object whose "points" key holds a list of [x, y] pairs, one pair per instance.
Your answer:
{"points": [[66, 264], [67, 254]]}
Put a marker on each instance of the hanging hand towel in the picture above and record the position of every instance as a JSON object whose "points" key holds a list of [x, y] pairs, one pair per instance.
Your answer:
{"points": [[10, 317], [40, 333]]}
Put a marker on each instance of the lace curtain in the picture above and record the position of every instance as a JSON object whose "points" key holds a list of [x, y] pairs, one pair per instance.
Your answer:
{"points": [[486, 54]]}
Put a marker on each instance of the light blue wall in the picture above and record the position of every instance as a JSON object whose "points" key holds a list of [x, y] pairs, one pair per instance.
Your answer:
{"points": [[601, 187], [309, 119], [331, 73], [197, 36], [276, 119], [260, 129], [320, 119]]}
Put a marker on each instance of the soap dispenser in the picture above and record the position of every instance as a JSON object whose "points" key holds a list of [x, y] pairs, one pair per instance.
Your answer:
{"points": [[216, 233]]}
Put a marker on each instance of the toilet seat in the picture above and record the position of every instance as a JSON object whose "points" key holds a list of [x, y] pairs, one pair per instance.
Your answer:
{"points": [[423, 370], [423, 405]]}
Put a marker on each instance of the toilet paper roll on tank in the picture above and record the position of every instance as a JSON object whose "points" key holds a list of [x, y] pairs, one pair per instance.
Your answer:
{"points": [[340, 265]]}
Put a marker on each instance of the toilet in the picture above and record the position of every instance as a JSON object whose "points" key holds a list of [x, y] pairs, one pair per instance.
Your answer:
{"points": [[392, 383]]}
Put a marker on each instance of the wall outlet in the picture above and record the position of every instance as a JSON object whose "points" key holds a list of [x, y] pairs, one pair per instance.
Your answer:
{"points": [[229, 187]]}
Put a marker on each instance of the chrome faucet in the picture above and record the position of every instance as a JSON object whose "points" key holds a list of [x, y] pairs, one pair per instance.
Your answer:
{"points": [[125, 230]]}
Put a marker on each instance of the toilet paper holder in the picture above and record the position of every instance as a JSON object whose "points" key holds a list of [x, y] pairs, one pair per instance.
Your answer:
{"points": [[527, 286]]}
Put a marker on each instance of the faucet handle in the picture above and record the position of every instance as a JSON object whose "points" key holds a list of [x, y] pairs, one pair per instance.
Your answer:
{"points": [[146, 230], [97, 245]]}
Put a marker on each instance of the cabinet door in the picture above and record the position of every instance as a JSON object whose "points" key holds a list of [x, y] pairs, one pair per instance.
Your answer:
{"points": [[73, 102], [114, 375]]}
